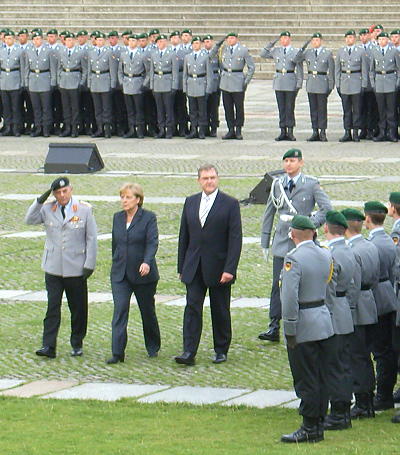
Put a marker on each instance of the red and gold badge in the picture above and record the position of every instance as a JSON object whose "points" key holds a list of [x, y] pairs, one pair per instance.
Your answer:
{"points": [[395, 240], [75, 219], [287, 266]]}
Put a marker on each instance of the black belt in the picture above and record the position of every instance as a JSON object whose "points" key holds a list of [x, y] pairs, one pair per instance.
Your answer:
{"points": [[385, 72], [232, 71], [195, 76], [350, 71], [8, 70], [161, 73], [365, 287], [306, 305], [216, 71], [100, 72], [67, 70], [284, 71], [319, 73], [382, 280], [134, 75], [340, 293], [40, 71]]}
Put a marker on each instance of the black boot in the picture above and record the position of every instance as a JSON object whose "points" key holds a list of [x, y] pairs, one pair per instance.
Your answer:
{"points": [[74, 131], [213, 131], [193, 132], [272, 334], [130, 133], [202, 132], [364, 406], [160, 134], [46, 131], [282, 136], [347, 136], [339, 418], [67, 131], [168, 133], [322, 136], [315, 136], [239, 133], [381, 137], [36, 132], [382, 403], [107, 130], [392, 136], [17, 129], [99, 132], [310, 431], [7, 131], [151, 131], [140, 131], [363, 134], [182, 129], [289, 135], [396, 396], [230, 134], [370, 135], [356, 138]]}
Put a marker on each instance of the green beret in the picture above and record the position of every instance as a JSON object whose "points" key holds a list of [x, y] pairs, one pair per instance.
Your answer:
{"points": [[293, 153], [302, 222], [378, 27], [187, 30], [395, 32], [127, 32], [286, 33], [133, 36], [394, 197], [4, 30], [24, 31], [53, 31], [196, 38], [154, 31], [383, 35], [317, 35], [82, 33], [36, 34], [60, 182], [9, 33], [143, 35], [375, 207], [161, 37], [69, 35], [93, 34], [175, 33], [350, 32], [64, 33], [363, 31], [113, 33], [207, 37], [101, 35], [33, 30], [336, 218], [353, 215], [232, 34]]}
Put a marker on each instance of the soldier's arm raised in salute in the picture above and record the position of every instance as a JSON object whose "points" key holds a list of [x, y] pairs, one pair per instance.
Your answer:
{"points": [[323, 202]]}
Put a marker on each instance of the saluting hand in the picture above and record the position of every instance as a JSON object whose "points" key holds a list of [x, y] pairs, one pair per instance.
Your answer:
{"points": [[226, 277], [144, 269]]}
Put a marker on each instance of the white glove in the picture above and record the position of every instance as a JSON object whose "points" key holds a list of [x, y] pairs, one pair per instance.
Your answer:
{"points": [[265, 254], [286, 218]]}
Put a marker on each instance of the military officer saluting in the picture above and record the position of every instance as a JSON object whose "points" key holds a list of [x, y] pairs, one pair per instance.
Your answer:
{"points": [[293, 193], [72, 77], [234, 82], [320, 83], [288, 80], [213, 99], [351, 78], [69, 259], [133, 70], [197, 79], [12, 67], [385, 80], [308, 327]]}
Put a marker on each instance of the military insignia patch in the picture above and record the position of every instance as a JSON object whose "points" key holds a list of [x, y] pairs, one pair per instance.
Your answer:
{"points": [[74, 219], [395, 240], [287, 266]]}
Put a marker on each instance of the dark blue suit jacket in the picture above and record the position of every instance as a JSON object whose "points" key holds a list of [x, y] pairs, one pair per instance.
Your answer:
{"points": [[217, 244], [133, 246]]}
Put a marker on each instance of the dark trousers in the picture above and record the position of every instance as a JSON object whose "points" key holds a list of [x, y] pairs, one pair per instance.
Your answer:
{"points": [[180, 109], [76, 291], [369, 108], [318, 110], [213, 101], [275, 305], [102, 103], [119, 114], [220, 297], [363, 372], [135, 109], [12, 107], [56, 106], [150, 109], [198, 111], [144, 293], [309, 364], [27, 109], [286, 104], [70, 106], [387, 111], [340, 379], [86, 108], [351, 111], [385, 356], [42, 111], [234, 108], [165, 109]]}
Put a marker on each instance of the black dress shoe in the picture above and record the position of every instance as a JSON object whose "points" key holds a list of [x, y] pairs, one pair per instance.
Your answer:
{"points": [[229, 135], [396, 396], [347, 137], [115, 359], [382, 404], [304, 434], [396, 418], [220, 358], [213, 132], [46, 351], [153, 354], [187, 358], [76, 352], [239, 133], [272, 334]]}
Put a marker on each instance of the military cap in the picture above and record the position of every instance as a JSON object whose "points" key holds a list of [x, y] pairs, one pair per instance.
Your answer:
{"points": [[350, 32], [113, 33], [64, 32], [317, 35], [232, 34], [293, 153], [60, 182], [37, 30], [69, 35], [95, 33], [127, 32], [4, 30], [161, 37], [52, 31], [286, 33], [378, 27], [9, 33], [336, 218], [395, 32], [302, 222], [23, 31], [175, 33], [383, 35], [187, 30], [36, 34], [394, 197], [363, 31], [82, 33], [196, 38], [207, 37], [375, 207], [101, 35], [353, 215], [133, 36], [143, 35], [154, 31]]}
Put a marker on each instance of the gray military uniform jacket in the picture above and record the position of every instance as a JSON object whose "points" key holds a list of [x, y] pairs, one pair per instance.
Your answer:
{"points": [[197, 74], [12, 66], [395, 234], [232, 65], [181, 53], [102, 70], [384, 294], [351, 71], [72, 70], [283, 80], [337, 298], [164, 71], [367, 258], [132, 72], [305, 274], [317, 82], [214, 63], [40, 69], [385, 70], [306, 193], [71, 243], [368, 50], [116, 52]]}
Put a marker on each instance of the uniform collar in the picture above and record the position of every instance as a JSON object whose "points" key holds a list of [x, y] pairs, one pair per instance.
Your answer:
{"points": [[305, 242], [357, 236], [396, 224], [335, 240], [374, 231], [295, 178]]}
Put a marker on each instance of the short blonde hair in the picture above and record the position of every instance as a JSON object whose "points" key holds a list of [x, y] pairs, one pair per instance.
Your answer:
{"points": [[136, 190]]}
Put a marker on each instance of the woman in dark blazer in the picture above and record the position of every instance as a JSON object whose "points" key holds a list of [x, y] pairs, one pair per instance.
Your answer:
{"points": [[134, 270]]}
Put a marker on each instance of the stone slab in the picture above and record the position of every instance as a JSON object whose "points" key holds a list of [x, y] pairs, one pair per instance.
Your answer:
{"points": [[337, 203], [25, 234], [182, 302], [9, 383], [194, 395], [10, 293], [37, 296], [41, 387], [251, 240], [262, 398], [292, 404], [250, 302], [106, 391]]}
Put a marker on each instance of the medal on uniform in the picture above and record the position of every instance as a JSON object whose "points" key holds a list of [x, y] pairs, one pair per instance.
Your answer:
{"points": [[288, 266]]}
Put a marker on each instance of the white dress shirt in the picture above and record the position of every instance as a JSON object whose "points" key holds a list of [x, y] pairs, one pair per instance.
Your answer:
{"points": [[206, 203]]}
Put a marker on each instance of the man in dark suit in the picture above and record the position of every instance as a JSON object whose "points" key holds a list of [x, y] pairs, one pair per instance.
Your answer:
{"points": [[210, 242]]}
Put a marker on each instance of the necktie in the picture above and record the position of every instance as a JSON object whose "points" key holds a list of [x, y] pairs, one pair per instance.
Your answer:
{"points": [[37, 52], [204, 213], [98, 51], [231, 50], [365, 46], [131, 55], [161, 53], [175, 49], [383, 52], [316, 53], [69, 53], [8, 51], [195, 56], [291, 185], [349, 50], [63, 211], [284, 51]]}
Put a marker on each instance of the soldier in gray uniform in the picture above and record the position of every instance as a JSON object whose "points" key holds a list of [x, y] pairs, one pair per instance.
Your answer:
{"points": [[12, 67], [385, 355], [197, 79], [320, 83], [69, 259], [234, 82], [102, 79], [288, 80], [293, 193], [385, 81], [344, 285], [72, 77], [133, 70], [41, 80], [213, 99], [308, 327], [364, 314], [164, 82], [27, 110], [351, 78]]}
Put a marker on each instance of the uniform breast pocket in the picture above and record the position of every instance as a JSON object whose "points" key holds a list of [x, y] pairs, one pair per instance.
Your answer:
{"points": [[76, 225], [104, 60], [239, 59]]}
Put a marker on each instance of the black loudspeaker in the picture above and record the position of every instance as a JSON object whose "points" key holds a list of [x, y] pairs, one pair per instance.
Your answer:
{"points": [[73, 158], [259, 194]]}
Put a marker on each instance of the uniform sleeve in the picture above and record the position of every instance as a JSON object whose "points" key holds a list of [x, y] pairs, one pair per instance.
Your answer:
{"points": [[267, 52], [300, 56], [185, 75], [91, 241], [364, 70], [251, 67], [53, 69], [84, 73], [353, 293], [209, 76], [332, 285], [120, 72], [331, 73], [397, 61], [324, 205], [89, 70], [34, 214], [113, 63], [338, 69], [267, 223], [291, 274], [175, 72], [151, 240], [299, 75]]}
